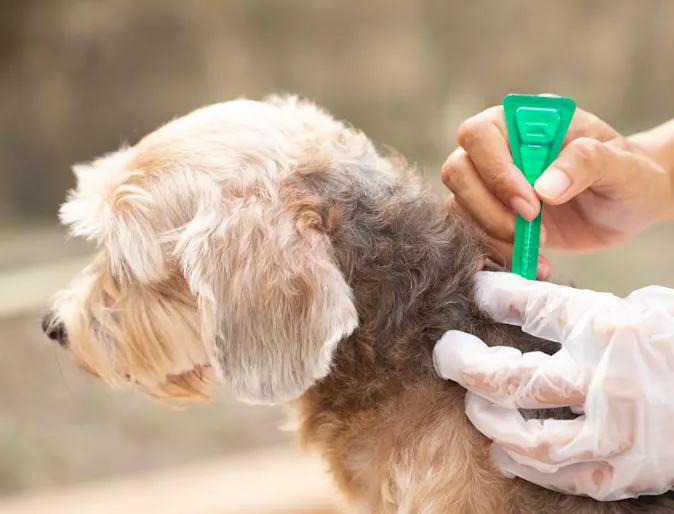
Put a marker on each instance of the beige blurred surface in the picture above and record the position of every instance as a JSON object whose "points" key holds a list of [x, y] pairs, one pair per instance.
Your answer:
{"points": [[79, 77], [267, 481]]}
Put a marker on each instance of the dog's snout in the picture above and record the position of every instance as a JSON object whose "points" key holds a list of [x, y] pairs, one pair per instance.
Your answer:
{"points": [[54, 328]]}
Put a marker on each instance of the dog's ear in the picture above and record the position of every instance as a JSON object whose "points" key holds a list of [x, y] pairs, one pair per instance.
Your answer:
{"points": [[112, 206], [271, 296], [132, 202]]}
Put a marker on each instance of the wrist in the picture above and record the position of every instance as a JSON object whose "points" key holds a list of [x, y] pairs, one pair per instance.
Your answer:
{"points": [[657, 144]]}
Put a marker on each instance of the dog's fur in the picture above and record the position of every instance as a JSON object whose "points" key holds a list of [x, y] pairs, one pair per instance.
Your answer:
{"points": [[269, 247]]}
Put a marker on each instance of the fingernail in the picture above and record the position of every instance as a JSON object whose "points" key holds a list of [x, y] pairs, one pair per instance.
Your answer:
{"points": [[523, 208], [552, 184], [543, 270]]}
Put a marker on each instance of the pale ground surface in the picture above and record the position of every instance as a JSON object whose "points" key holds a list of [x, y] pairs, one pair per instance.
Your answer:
{"points": [[266, 481]]}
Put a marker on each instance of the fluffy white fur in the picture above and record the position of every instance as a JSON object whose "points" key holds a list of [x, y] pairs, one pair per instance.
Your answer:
{"points": [[194, 217]]}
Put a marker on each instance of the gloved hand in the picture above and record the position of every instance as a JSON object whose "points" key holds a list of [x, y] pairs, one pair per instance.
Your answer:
{"points": [[616, 365]]}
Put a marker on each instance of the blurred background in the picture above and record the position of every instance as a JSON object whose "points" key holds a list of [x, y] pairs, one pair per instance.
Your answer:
{"points": [[79, 77]]}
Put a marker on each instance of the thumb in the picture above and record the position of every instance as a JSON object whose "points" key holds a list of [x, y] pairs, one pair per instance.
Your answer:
{"points": [[582, 164]]}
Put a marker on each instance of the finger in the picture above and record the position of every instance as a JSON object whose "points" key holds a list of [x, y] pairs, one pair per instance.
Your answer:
{"points": [[500, 252], [593, 479], [642, 478], [600, 480], [504, 225], [548, 444], [503, 252], [529, 442], [558, 382], [544, 445], [577, 167], [489, 372], [542, 309], [586, 124], [654, 296], [616, 477], [582, 143], [507, 377], [461, 177], [485, 139], [544, 270], [609, 168]]}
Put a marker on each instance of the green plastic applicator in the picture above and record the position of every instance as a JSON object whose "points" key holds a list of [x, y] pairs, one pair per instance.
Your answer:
{"points": [[537, 126]]}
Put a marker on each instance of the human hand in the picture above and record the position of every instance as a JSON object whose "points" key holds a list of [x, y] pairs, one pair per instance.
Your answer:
{"points": [[616, 361], [601, 190]]}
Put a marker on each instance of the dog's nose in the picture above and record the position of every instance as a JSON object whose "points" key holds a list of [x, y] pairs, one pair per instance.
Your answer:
{"points": [[55, 329]]}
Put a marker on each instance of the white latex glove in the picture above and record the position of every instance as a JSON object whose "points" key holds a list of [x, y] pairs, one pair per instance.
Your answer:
{"points": [[616, 364]]}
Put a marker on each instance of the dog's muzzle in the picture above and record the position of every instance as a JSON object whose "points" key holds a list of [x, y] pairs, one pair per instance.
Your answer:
{"points": [[54, 329]]}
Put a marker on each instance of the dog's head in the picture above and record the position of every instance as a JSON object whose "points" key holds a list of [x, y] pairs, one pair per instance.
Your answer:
{"points": [[214, 262]]}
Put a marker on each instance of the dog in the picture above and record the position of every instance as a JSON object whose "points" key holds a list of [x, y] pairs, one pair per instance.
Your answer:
{"points": [[267, 247]]}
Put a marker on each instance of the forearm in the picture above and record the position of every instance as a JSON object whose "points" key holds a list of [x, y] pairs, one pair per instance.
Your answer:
{"points": [[658, 143]]}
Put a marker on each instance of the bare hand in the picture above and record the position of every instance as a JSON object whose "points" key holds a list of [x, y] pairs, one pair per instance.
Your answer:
{"points": [[601, 190]]}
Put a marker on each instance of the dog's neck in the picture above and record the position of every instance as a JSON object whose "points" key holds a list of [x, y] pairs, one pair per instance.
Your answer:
{"points": [[406, 258], [411, 265]]}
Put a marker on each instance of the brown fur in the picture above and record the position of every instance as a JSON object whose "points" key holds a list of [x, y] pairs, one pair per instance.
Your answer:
{"points": [[283, 258], [383, 419]]}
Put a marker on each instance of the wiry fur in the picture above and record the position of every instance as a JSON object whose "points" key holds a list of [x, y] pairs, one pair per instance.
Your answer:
{"points": [[269, 247]]}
